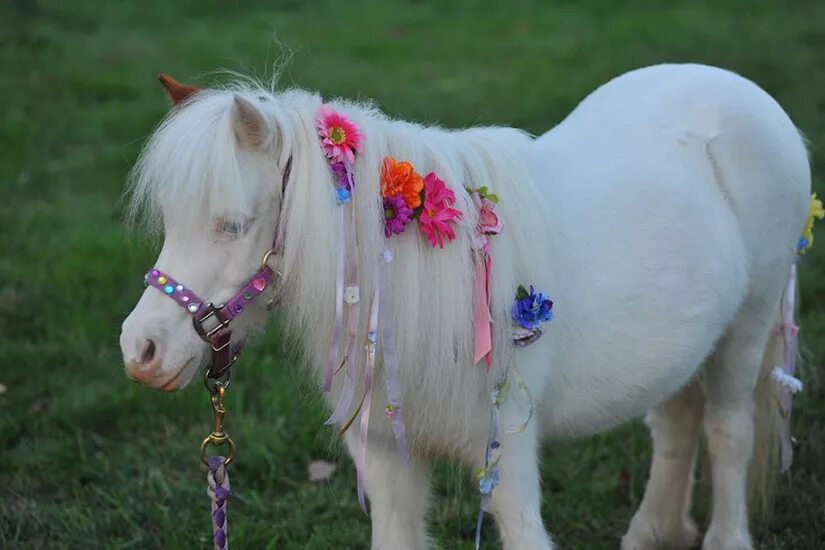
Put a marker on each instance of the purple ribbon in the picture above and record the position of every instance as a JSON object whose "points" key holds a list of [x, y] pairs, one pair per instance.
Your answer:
{"points": [[492, 445], [390, 356], [329, 373], [342, 408], [372, 337]]}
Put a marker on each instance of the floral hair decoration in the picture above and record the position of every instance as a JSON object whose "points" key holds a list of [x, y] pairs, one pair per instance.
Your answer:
{"points": [[815, 212], [341, 141], [529, 310], [408, 197]]}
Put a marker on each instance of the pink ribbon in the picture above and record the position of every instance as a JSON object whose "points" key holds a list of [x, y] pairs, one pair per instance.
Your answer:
{"points": [[481, 305], [789, 366]]}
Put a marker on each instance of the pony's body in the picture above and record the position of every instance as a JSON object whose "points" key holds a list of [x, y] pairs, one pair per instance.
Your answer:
{"points": [[661, 216], [688, 181]]}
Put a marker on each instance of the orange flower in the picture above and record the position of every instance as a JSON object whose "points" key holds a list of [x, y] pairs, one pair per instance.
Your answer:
{"points": [[399, 178]]}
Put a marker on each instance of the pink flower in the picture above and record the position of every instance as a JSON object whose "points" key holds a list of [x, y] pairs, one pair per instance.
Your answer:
{"points": [[488, 223], [396, 215], [437, 217], [340, 138]]}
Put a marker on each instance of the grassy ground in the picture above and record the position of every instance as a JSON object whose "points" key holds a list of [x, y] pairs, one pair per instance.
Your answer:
{"points": [[90, 460]]}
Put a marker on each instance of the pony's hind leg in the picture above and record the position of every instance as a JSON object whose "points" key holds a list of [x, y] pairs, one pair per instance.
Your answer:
{"points": [[663, 519], [731, 378], [398, 496]]}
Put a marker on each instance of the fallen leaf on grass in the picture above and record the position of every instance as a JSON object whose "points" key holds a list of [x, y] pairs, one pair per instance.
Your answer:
{"points": [[3, 389], [321, 470]]}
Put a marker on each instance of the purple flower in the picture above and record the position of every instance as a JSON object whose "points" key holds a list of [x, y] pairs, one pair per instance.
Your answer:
{"points": [[396, 215], [531, 308], [341, 176]]}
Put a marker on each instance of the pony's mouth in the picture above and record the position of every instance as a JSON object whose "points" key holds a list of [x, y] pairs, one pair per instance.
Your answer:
{"points": [[179, 379]]}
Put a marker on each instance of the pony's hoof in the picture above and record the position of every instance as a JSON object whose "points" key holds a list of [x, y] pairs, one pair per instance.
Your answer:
{"points": [[645, 535], [717, 539]]}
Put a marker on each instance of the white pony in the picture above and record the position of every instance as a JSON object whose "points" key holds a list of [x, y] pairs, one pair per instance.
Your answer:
{"points": [[661, 216]]}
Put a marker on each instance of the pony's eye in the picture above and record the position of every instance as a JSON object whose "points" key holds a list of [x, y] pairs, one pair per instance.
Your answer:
{"points": [[231, 228]]}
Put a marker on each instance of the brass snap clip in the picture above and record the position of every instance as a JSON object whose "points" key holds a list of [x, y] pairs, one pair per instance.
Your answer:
{"points": [[218, 437]]}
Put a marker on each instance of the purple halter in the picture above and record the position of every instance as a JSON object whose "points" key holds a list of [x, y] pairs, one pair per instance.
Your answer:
{"points": [[211, 321]]}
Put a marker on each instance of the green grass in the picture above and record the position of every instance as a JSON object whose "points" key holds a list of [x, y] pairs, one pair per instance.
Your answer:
{"points": [[89, 459]]}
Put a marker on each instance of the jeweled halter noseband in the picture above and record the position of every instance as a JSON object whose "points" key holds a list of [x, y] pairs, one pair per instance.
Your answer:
{"points": [[211, 321]]}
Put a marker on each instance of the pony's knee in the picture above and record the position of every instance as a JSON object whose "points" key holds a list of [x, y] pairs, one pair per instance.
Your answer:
{"points": [[675, 424]]}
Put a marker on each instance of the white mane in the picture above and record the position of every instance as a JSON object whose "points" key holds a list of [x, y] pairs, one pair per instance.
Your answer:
{"points": [[192, 168]]}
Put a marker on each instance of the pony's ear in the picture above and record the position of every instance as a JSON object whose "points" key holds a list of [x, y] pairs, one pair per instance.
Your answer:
{"points": [[176, 91], [248, 123]]}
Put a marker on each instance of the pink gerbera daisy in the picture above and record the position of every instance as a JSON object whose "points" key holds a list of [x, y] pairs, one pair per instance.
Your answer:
{"points": [[339, 137], [437, 217]]}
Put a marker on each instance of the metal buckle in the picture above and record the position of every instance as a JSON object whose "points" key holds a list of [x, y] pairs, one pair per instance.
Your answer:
{"points": [[211, 311], [265, 257]]}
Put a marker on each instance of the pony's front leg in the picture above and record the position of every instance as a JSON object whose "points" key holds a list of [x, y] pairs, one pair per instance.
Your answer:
{"points": [[516, 501], [398, 496]]}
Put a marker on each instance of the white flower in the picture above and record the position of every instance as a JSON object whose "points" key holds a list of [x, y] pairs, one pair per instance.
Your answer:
{"points": [[788, 382], [351, 295]]}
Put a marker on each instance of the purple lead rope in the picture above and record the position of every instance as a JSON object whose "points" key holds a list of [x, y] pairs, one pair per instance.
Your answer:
{"points": [[218, 491]]}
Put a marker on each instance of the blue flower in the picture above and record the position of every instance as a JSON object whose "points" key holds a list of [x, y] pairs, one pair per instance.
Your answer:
{"points": [[342, 195], [488, 482], [531, 308]]}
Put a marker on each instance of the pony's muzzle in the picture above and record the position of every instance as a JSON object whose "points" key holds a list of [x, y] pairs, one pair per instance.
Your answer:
{"points": [[146, 367]]}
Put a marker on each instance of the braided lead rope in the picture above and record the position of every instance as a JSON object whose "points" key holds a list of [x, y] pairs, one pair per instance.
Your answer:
{"points": [[218, 491]]}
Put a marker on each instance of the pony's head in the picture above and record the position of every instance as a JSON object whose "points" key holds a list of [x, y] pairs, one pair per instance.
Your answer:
{"points": [[213, 177]]}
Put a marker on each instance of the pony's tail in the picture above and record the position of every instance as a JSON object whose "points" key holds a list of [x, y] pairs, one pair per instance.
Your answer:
{"points": [[767, 417]]}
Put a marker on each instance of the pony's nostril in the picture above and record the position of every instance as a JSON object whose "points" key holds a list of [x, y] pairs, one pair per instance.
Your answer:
{"points": [[147, 354]]}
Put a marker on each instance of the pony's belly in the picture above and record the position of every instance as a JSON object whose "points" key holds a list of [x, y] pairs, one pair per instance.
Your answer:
{"points": [[593, 404]]}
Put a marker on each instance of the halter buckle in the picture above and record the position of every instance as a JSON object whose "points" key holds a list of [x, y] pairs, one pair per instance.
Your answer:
{"points": [[210, 312]]}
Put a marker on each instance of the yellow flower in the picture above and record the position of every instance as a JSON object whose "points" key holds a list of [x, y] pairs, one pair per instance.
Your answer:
{"points": [[815, 212]]}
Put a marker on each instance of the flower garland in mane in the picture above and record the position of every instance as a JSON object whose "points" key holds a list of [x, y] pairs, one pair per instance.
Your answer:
{"points": [[409, 197]]}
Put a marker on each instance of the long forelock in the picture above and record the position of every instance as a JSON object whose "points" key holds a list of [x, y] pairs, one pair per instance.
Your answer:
{"points": [[190, 168]]}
